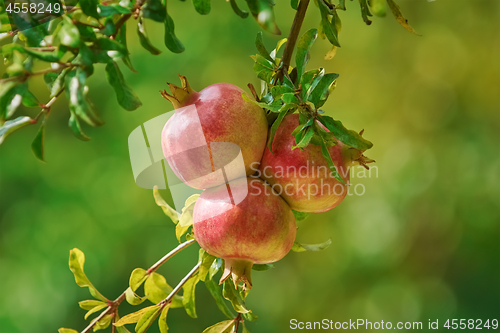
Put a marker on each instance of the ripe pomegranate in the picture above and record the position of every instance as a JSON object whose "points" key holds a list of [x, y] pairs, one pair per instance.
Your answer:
{"points": [[214, 135], [302, 177], [244, 222]]}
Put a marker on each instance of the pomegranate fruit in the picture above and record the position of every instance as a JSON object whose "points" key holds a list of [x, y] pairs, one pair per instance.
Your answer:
{"points": [[214, 135], [302, 177], [244, 222]]}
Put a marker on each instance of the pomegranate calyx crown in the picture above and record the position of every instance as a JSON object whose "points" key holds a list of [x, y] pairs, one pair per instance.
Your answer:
{"points": [[239, 270], [179, 95]]}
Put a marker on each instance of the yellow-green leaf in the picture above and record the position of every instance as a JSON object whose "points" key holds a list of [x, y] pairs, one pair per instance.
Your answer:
{"points": [[137, 277], [134, 317], [147, 319], [76, 262], [189, 296], [157, 289], [95, 309], [297, 247], [103, 323], [225, 326], [66, 330], [162, 322], [90, 304], [169, 211], [133, 298], [206, 262], [399, 16]]}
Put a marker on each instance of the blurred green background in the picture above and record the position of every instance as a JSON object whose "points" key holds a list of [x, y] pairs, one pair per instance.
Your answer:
{"points": [[422, 243]]}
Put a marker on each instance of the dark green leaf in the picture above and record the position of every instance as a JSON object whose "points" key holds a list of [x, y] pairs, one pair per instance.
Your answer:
{"points": [[262, 11], [231, 294], [262, 267], [37, 144], [348, 137], [399, 16], [259, 43], [154, 10], [69, 34], [202, 6], [294, 4], [143, 37], [76, 262], [365, 12], [147, 319], [297, 247], [126, 97], [189, 296], [225, 326], [299, 216], [89, 7], [11, 125], [86, 33], [112, 9], [76, 92], [319, 94], [121, 38], [305, 138], [270, 107], [303, 46], [74, 124], [282, 113], [216, 293], [333, 169], [171, 40], [58, 83], [137, 277], [237, 10], [329, 23], [109, 27]]}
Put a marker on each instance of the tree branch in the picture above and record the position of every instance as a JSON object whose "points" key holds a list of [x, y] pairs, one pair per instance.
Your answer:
{"points": [[292, 37], [113, 306]]}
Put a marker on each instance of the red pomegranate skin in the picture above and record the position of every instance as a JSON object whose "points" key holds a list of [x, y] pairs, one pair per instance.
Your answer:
{"points": [[302, 177], [224, 118], [260, 229]]}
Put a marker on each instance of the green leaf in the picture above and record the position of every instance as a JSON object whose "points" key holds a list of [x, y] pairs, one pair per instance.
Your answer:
{"points": [[262, 11], [112, 9], [162, 322], [186, 218], [143, 37], [225, 326], [294, 4], [303, 46], [319, 94], [137, 277], [259, 44], [74, 124], [109, 27], [305, 138], [66, 330], [215, 267], [365, 12], [126, 97], [86, 33], [37, 144], [10, 99], [348, 137], [237, 10], [90, 304], [270, 107], [283, 112], [262, 267], [329, 23], [169, 211], [326, 154], [76, 262], [76, 92], [171, 40], [206, 262], [396, 11], [133, 298], [189, 296], [378, 7], [134, 317], [297, 247], [231, 294], [11, 125], [95, 309], [89, 7], [202, 6], [121, 38], [69, 34], [157, 289], [299, 216], [147, 319], [180, 231], [154, 10], [249, 316], [244, 327], [216, 293], [56, 82]]}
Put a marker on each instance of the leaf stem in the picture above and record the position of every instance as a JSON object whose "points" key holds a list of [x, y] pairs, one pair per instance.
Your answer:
{"points": [[113, 306], [119, 24], [45, 71], [292, 37], [179, 286]]}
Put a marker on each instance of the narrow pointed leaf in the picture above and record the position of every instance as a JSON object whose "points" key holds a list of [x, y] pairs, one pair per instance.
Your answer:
{"points": [[189, 296], [216, 293], [399, 16], [95, 309], [171, 40], [297, 247], [303, 46], [37, 144], [11, 125], [231, 294], [169, 211], [162, 322], [259, 43], [124, 94], [225, 326], [348, 137], [143, 38], [134, 317], [76, 263], [147, 319]]}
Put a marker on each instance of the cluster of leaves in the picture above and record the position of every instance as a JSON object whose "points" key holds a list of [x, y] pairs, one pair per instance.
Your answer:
{"points": [[90, 32], [289, 90], [162, 296]]}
